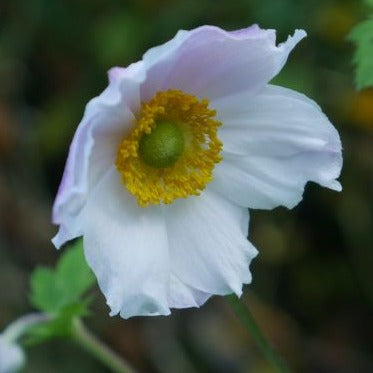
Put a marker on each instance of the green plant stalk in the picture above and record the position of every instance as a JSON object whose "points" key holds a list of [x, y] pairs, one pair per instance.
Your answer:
{"points": [[247, 319], [98, 349]]}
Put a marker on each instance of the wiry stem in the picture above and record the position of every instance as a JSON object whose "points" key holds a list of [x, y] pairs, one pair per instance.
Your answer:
{"points": [[81, 335], [99, 350], [244, 314]]}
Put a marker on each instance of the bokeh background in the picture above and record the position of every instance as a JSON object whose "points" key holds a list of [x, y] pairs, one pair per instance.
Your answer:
{"points": [[312, 291]]}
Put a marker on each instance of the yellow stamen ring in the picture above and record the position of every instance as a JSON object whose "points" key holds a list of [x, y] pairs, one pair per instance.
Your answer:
{"points": [[182, 173]]}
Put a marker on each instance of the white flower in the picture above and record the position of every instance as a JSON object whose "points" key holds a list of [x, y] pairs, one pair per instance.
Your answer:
{"points": [[12, 357], [164, 216]]}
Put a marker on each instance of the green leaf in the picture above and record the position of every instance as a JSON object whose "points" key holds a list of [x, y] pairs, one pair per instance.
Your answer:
{"points": [[362, 36], [54, 289], [43, 290]]}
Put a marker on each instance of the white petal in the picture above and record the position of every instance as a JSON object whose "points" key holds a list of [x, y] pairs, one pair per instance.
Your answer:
{"points": [[128, 81], [126, 247], [273, 144], [93, 149], [210, 62], [208, 246], [181, 295], [158, 62]]}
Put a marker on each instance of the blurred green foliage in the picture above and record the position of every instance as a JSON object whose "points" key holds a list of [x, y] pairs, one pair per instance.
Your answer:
{"points": [[59, 293], [312, 279], [53, 289], [362, 35]]}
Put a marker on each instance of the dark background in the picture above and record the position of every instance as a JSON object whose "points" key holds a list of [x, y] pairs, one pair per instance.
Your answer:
{"points": [[312, 291]]}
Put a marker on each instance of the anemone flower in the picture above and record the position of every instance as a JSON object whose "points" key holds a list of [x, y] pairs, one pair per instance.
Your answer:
{"points": [[169, 157]]}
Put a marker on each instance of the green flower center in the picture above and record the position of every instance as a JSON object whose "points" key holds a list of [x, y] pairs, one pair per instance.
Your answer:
{"points": [[163, 146], [171, 150]]}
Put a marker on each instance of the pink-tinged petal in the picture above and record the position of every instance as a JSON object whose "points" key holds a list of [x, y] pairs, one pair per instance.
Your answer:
{"points": [[106, 120], [158, 62], [126, 247], [209, 250], [251, 31], [211, 62], [128, 80], [274, 144]]}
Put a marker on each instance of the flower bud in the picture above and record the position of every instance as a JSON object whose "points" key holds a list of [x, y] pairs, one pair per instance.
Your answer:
{"points": [[12, 357]]}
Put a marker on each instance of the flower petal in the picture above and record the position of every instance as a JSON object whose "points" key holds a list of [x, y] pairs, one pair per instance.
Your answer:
{"points": [[208, 246], [273, 144], [181, 295], [211, 62], [93, 149], [126, 247]]}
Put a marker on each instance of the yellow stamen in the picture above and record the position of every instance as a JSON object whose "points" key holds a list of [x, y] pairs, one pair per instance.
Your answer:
{"points": [[193, 168]]}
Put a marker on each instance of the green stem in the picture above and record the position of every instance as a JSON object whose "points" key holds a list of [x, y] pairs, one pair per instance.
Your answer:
{"points": [[244, 314], [99, 350]]}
